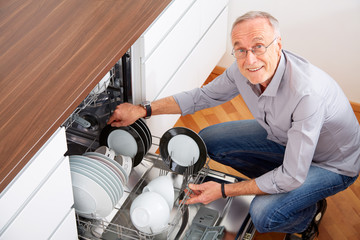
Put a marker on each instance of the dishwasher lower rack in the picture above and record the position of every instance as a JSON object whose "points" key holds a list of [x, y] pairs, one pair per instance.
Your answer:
{"points": [[119, 226]]}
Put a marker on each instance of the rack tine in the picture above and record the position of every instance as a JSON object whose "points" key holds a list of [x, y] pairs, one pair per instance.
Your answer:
{"points": [[163, 172], [168, 160]]}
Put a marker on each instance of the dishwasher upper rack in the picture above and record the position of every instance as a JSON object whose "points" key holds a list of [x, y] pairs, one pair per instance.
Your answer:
{"points": [[93, 227], [117, 81], [89, 100]]}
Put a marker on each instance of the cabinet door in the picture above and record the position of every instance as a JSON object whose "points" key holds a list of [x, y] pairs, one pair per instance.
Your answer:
{"points": [[212, 47], [31, 177], [67, 229], [163, 25], [194, 71], [47, 208], [168, 56], [209, 11]]}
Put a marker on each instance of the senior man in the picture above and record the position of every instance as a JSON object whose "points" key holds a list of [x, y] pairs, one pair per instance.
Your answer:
{"points": [[303, 146]]}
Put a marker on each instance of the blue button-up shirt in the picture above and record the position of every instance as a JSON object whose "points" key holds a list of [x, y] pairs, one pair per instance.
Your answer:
{"points": [[302, 108]]}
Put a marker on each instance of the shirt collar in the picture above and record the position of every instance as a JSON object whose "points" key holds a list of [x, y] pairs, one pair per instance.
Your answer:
{"points": [[273, 86]]}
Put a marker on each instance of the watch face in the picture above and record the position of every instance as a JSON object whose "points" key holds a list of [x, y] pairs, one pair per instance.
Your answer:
{"points": [[144, 103]]}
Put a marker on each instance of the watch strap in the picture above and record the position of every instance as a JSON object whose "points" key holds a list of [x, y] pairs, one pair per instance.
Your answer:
{"points": [[147, 107], [223, 190]]}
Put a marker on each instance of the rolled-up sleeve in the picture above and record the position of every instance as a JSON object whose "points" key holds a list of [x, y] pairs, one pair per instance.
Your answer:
{"points": [[307, 121]]}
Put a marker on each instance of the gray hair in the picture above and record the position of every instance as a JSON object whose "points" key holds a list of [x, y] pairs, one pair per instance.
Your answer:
{"points": [[258, 14]]}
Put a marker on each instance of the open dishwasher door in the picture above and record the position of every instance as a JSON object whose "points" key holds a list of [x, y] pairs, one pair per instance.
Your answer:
{"points": [[222, 219], [234, 215]]}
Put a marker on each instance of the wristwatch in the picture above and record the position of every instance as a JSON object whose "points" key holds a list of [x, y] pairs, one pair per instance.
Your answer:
{"points": [[147, 106]]}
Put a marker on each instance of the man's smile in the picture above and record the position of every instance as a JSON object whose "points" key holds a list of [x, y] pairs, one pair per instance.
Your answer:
{"points": [[254, 69]]}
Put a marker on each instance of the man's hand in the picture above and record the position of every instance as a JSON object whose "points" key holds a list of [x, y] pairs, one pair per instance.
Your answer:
{"points": [[210, 191], [126, 114], [204, 193]]}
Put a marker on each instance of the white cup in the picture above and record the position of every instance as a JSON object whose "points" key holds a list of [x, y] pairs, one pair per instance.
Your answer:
{"points": [[106, 151], [162, 185], [126, 162], [149, 213]]}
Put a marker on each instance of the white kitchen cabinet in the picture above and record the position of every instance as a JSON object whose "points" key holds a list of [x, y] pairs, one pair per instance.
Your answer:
{"points": [[201, 61], [37, 200], [67, 229], [166, 21], [167, 58], [184, 57], [209, 12], [178, 52], [194, 71]]}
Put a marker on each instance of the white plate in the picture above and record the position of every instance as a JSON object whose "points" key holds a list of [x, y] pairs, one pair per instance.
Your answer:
{"points": [[122, 142], [183, 150], [91, 200], [101, 179], [103, 171], [107, 174], [120, 171], [101, 162], [79, 168]]}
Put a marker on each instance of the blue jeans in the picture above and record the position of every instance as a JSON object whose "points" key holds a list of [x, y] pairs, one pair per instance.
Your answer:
{"points": [[243, 146]]}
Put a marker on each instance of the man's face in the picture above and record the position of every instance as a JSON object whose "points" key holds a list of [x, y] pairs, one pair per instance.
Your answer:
{"points": [[248, 34]]}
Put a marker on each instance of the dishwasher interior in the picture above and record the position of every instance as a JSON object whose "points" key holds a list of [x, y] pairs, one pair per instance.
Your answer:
{"points": [[222, 219]]}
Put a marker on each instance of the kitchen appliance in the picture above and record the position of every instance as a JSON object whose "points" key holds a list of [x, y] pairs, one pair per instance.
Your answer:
{"points": [[222, 219]]}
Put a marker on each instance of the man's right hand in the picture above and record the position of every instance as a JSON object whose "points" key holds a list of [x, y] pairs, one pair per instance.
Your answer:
{"points": [[126, 114]]}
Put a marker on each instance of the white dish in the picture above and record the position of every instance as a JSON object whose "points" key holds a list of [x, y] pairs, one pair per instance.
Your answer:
{"points": [[90, 199], [106, 170], [79, 168], [119, 175], [183, 150], [122, 142], [149, 213], [106, 174], [117, 167], [162, 185]]}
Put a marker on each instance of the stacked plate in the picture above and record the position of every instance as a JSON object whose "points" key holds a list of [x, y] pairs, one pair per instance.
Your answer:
{"points": [[183, 150], [134, 140], [98, 184]]}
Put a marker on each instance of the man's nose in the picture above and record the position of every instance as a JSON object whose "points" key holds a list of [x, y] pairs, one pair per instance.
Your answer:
{"points": [[250, 57]]}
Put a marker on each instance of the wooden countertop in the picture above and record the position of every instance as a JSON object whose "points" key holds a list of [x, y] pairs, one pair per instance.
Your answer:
{"points": [[52, 54]]}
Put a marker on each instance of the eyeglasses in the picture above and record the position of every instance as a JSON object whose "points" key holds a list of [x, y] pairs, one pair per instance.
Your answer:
{"points": [[257, 50]]}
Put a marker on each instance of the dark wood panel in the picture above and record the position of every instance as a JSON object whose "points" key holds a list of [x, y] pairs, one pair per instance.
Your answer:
{"points": [[52, 53]]}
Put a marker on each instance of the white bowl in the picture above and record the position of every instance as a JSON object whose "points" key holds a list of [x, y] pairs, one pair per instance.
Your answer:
{"points": [[162, 185], [149, 212]]}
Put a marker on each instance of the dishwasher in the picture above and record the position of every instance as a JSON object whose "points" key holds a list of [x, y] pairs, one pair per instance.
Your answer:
{"points": [[222, 219]]}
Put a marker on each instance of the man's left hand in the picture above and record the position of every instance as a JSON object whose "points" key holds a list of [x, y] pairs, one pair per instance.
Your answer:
{"points": [[204, 193]]}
